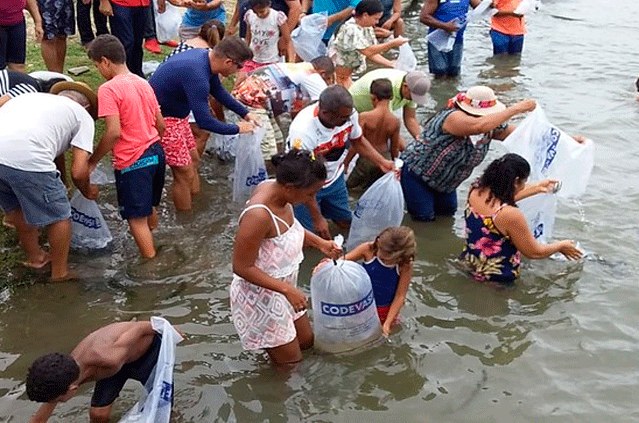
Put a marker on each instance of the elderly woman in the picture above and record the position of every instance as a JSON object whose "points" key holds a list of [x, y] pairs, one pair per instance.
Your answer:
{"points": [[455, 140], [496, 230]]}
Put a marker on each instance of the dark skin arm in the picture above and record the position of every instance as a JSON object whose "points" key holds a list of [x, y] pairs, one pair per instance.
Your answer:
{"points": [[426, 17]]}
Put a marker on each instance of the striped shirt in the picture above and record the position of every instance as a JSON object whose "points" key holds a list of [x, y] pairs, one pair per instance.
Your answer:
{"points": [[14, 84], [442, 160]]}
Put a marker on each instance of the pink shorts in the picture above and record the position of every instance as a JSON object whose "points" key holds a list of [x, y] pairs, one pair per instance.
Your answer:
{"points": [[251, 65], [177, 142]]}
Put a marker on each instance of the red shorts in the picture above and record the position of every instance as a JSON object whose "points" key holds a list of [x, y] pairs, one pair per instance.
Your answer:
{"points": [[382, 312], [177, 142]]}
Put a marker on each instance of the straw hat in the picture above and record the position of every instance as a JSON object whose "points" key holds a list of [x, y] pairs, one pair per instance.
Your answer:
{"points": [[479, 101], [83, 89]]}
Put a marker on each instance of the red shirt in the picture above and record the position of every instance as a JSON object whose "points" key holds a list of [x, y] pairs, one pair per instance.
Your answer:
{"points": [[132, 3], [11, 11], [132, 99]]}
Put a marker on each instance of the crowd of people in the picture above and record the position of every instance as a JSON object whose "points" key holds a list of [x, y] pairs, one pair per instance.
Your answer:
{"points": [[342, 137]]}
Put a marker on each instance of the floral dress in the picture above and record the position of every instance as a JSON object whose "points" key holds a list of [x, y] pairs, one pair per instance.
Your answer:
{"points": [[344, 48], [264, 318], [489, 255]]}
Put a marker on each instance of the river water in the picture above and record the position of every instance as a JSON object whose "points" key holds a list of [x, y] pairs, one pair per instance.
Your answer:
{"points": [[561, 346]]}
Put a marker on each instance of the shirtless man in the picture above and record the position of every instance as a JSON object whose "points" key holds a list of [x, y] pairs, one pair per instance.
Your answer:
{"points": [[379, 126], [109, 356]]}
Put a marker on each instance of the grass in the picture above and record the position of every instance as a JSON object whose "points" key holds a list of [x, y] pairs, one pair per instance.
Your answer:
{"points": [[11, 255]]}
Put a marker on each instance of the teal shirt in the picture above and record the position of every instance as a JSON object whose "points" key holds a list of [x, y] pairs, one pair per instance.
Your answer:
{"points": [[361, 89]]}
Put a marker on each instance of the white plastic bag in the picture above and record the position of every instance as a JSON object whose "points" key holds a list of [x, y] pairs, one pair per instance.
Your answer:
{"points": [[223, 146], [155, 405], [250, 169], [540, 211], [381, 206], [167, 23], [527, 6], [307, 37], [88, 227], [483, 10], [344, 312], [552, 153], [442, 40], [406, 60]]}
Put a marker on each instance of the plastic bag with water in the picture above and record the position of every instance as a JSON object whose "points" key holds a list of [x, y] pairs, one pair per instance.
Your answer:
{"points": [[344, 312], [307, 37], [250, 169], [155, 405], [406, 60], [381, 206], [88, 227]]}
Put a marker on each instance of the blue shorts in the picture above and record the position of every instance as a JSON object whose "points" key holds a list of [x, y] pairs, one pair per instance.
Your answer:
{"points": [[506, 44], [333, 203], [58, 18], [13, 44], [41, 196], [449, 63], [140, 185]]}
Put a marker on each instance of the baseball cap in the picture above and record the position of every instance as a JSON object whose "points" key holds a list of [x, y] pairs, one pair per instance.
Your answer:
{"points": [[418, 85]]}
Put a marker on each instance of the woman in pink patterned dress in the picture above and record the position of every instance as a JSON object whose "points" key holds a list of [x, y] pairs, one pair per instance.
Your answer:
{"points": [[267, 308]]}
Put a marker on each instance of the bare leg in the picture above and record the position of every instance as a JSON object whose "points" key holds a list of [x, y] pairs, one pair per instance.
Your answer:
{"points": [[28, 238], [100, 414], [152, 220], [304, 331], [181, 191], [201, 137], [53, 53], [142, 235], [286, 355], [195, 162], [398, 28], [61, 51], [59, 234]]}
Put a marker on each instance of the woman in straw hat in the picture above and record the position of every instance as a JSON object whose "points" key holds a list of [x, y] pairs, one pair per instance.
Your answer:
{"points": [[454, 141]]}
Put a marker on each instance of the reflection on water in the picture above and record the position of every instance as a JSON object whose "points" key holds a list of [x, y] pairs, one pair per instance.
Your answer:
{"points": [[561, 345]]}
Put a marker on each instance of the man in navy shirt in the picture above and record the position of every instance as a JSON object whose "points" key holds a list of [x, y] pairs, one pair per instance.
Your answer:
{"points": [[183, 84]]}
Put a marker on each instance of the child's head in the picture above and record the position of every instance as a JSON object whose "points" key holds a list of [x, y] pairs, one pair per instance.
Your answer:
{"points": [[369, 12], [325, 68], [505, 177], [260, 7], [52, 377], [107, 53], [300, 172], [212, 32], [381, 89], [395, 245]]}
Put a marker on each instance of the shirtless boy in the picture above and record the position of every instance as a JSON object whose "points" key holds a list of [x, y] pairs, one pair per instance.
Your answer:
{"points": [[381, 128], [109, 356]]}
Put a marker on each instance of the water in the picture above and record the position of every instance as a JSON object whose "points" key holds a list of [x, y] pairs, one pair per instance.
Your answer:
{"points": [[561, 346]]}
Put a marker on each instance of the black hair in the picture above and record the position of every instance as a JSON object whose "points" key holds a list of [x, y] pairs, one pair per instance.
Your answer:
{"points": [[233, 48], [299, 168], [323, 63], [50, 376], [46, 85], [212, 32], [107, 46], [382, 89], [334, 98], [500, 177], [259, 3], [370, 7]]}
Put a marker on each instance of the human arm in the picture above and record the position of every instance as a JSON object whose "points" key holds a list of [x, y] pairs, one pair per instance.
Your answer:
{"points": [[105, 8], [287, 45], [107, 142], [377, 49], [254, 227], [44, 412], [512, 223], [363, 251], [461, 124], [32, 8], [60, 165], [395, 142], [366, 149], [410, 121], [405, 275], [426, 17], [204, 6], [159, 123], [294, 14], [198, 99], [248, 35], [340, 16], [232, 27], [542, 187], [397, 13], [320, 224], [306, 6], [328, 247], [80, 173]]}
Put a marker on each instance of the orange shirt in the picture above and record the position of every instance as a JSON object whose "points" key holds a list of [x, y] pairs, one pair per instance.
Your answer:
{"points": [[132, 99], [509, 25]]}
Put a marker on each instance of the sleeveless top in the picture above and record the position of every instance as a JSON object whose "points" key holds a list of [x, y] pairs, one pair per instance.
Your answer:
{"points": [[262, 317], [489, 255], [385, 280]]}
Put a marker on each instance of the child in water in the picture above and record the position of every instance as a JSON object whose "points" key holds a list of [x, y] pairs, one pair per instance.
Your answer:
{"points": [[355, 42], [267, 308], [389, 262]]}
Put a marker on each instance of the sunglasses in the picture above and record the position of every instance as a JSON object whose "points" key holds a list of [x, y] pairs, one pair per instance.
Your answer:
{"points": [[239, 65]]}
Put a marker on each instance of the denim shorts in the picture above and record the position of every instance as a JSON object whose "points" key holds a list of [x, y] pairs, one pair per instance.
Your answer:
{"points": [[41, 196], [140, 185], [449, 63], [506, 44], [333, 203], [13, 44]]}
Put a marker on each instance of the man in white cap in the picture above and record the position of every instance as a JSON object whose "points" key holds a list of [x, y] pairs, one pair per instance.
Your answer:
{"points": [[35, 131], [410, 89]]}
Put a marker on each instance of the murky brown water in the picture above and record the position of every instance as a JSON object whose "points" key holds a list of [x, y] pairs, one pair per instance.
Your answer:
{"points": [[563, 345]]}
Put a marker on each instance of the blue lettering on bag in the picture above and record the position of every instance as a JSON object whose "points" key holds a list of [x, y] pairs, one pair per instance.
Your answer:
{"points": [[344, 310], [256, 179], [167, 391], [364, 205], [550, 142], [85, 220]]}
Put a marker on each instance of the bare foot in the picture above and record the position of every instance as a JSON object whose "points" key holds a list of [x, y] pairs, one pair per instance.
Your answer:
{"points": [[44, 260], [69, 276]]}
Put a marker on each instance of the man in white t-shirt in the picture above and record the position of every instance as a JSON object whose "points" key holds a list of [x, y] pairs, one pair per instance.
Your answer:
{"points": [[35, 131], [283, 88], [329, 129]]}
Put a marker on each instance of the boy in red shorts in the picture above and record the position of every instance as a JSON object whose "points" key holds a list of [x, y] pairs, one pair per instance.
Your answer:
{"points": [[134, 126]]}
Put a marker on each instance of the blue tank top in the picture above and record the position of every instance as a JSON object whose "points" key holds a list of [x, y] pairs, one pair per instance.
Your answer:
{"points": [[384, 279], [451, 9]]}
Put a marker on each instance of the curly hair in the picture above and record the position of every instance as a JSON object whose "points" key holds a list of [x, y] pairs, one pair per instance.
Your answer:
{"points": [[298, 168], [500, 177], [398, 242], [50, 376]]}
